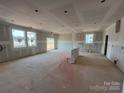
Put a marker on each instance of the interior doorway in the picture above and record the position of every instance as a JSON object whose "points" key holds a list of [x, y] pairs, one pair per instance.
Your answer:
{"points": [[50, 43], [106, 45]]}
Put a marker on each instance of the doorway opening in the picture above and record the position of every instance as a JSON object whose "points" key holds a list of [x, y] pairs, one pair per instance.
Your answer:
{"points": [[50, 43], [106, 45]]}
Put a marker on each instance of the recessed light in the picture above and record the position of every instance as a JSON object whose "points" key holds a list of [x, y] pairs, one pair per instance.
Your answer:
{"points": [[65, 11], [102, 1], [36, 11]]}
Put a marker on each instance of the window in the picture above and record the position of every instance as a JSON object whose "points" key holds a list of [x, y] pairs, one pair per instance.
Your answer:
{"points": [[50, 43], [89, 38], [31, 37], [19, 38]]}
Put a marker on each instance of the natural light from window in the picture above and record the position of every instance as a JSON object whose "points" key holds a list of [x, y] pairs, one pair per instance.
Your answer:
{"points": [[19, 38], [50, 43], [31, 36], [89, 38]]}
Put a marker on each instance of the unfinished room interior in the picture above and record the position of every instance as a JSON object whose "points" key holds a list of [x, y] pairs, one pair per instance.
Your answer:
{"points": [[61, 46]]}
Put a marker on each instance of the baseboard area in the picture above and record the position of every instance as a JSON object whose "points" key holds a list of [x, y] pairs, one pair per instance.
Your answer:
{"points": [[9, 60]]}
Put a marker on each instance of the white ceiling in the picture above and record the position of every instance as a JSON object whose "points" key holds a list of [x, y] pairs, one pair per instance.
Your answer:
{"points": [[83, 15]]}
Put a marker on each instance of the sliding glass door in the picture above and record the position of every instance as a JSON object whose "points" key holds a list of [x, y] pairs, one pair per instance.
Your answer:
{"points": [[50, 44]]}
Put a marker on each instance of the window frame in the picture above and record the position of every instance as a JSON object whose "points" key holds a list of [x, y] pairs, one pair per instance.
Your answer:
{"points": [[88, 39], [27, 39], [53, 43], [12, 38]]}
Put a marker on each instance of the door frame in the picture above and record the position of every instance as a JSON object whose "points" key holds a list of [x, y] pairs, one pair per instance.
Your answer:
{"points": [[51, 43], [106, 44]]}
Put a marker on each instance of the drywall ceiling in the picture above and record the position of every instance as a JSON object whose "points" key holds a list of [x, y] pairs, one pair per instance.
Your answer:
{"points": [[62, 16]]}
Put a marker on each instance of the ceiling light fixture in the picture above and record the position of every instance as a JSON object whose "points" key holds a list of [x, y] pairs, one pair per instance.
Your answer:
{"points": [[102, 1], [36, 11], [65, 11]]}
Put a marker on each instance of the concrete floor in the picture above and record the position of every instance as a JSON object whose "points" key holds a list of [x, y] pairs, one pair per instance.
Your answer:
{"points": [[50, 73]]}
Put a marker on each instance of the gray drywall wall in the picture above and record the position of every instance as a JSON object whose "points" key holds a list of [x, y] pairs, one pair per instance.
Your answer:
{"points": [[95, 47], [68, 42], [65, 42], [11, 53], [115, 49]]}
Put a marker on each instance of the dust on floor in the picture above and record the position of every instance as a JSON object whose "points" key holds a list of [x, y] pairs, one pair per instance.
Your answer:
{"points": [[50, 73]]}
